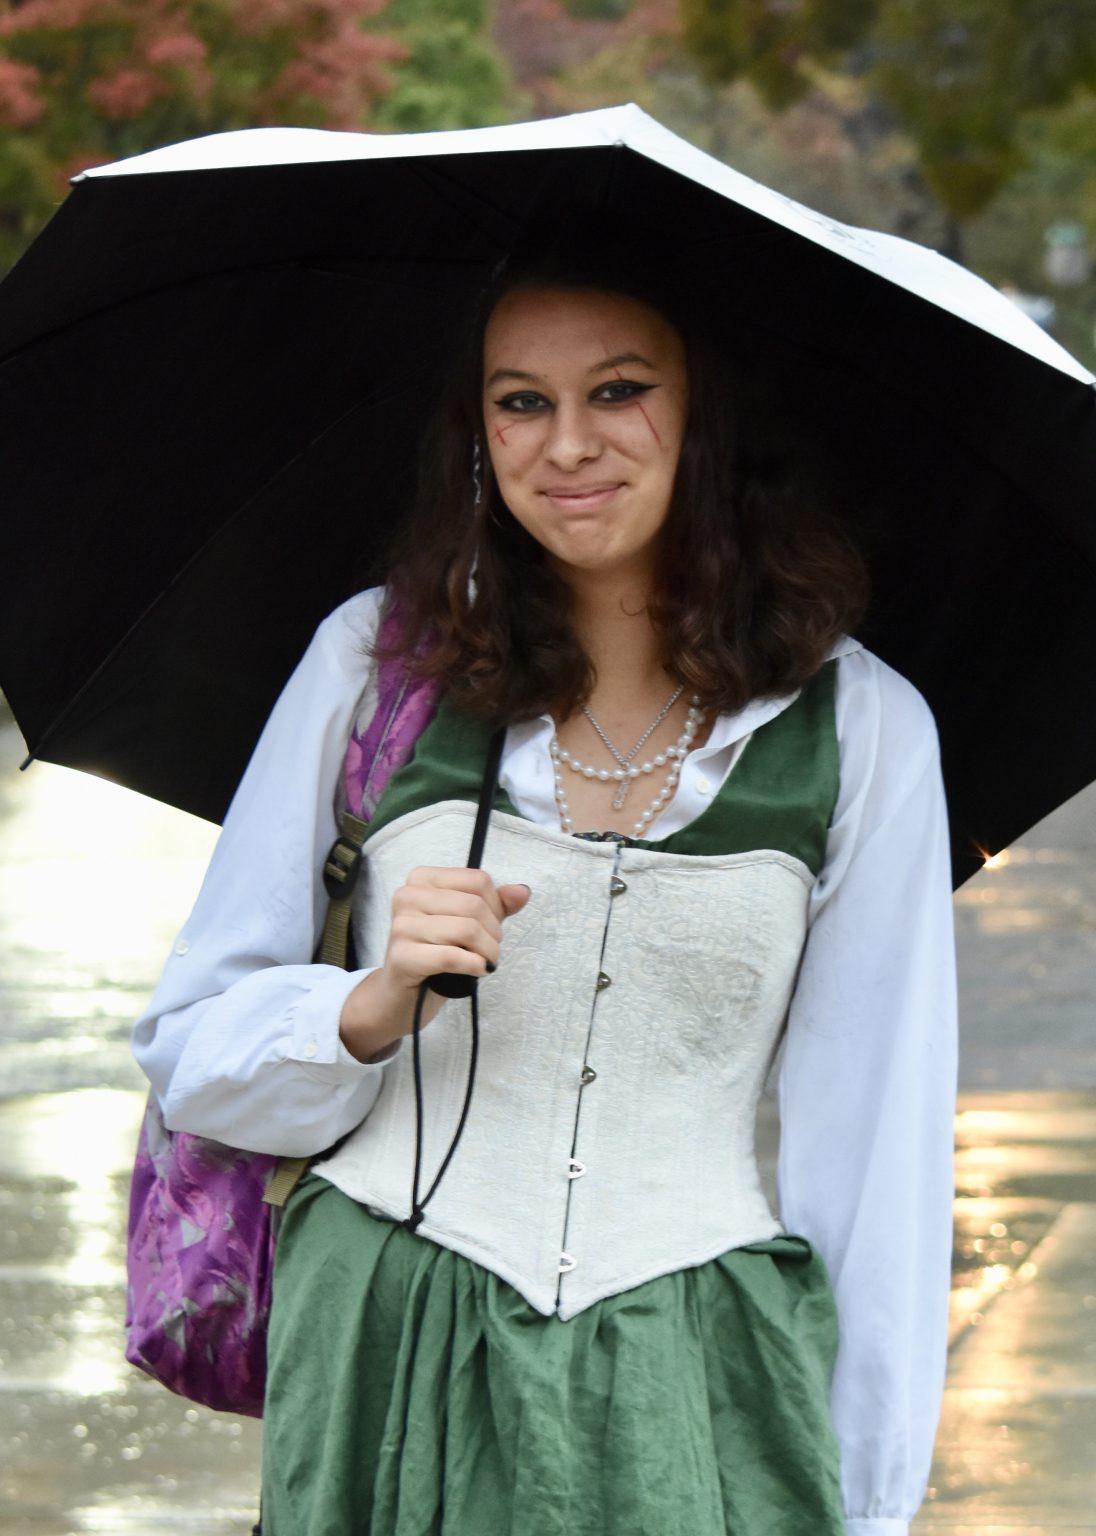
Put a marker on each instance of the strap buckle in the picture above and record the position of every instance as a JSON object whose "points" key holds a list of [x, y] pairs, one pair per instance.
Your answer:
{"points": [[341, 868]]}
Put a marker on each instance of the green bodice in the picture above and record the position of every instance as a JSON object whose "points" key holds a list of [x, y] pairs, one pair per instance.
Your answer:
{"points": [[780, 793]]}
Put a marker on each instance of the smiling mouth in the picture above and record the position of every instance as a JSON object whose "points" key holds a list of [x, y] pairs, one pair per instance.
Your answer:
{"points": [[584, 499]]}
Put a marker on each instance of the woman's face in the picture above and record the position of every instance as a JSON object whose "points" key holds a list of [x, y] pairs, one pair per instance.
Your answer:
{"points": [[585, 389]]}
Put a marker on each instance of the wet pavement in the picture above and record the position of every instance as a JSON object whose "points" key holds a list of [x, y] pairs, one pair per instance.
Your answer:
{"points": [[94, 884], [87, 1443], [1015, 1446]]}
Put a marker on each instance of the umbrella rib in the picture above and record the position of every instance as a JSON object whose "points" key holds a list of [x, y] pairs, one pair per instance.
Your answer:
{"points": [[432, 175], [120, 644], [436, 180]]}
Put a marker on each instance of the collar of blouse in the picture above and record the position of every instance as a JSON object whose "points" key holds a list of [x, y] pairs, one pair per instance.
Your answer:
{"points": [[727, 729]]}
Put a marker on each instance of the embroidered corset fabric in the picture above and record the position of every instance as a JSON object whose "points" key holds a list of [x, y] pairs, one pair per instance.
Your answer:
{"points": [[670, 993], [673, 990]]}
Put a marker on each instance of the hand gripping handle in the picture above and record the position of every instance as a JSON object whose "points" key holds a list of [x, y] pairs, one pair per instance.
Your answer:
{"points": [[455, 983]]}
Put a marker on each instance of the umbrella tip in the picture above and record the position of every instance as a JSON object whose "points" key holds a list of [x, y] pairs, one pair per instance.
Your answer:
{"points": [[26, 762]]}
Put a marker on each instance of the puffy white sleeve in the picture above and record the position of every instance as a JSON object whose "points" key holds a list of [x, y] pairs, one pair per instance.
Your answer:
{"points": [[240, 1039], [867, 1092]]}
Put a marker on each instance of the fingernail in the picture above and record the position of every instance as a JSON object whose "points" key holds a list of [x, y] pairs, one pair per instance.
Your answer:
{"points": [[529, 888], [491, 966]]}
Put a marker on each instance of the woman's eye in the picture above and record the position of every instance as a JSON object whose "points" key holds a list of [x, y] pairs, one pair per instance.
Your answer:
{"points": [[509, 402], [628, 385]]}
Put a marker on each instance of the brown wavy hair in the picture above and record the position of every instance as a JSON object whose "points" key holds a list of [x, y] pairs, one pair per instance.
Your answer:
{"points": [[754, 578]]}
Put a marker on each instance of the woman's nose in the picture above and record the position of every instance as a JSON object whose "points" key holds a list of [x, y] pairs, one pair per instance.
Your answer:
{"points": [[573, 434]]}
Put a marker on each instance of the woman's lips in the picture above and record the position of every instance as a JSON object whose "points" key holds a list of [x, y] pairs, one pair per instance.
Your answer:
{"points": [[593, 499]]}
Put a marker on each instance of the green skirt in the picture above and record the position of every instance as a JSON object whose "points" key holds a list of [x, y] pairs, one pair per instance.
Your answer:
{"points": [[412, 1392]]}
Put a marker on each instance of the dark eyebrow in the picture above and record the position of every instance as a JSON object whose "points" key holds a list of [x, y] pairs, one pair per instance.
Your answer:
{"points": [[535, 378]]}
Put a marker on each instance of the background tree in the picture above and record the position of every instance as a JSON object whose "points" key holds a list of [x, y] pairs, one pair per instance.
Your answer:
{"points": [[959, 75], [85, 82], [454, 74]]}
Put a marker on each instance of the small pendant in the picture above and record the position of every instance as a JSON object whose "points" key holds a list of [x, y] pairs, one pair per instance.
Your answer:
{"points": [[622, 789]]}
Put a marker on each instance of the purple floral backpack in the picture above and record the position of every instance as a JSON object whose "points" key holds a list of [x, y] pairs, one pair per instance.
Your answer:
{"points": [[203, 1216]]}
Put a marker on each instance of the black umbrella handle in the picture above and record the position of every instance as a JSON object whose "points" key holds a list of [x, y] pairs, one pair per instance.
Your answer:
{"points": [[456, 983], [453, 984]]}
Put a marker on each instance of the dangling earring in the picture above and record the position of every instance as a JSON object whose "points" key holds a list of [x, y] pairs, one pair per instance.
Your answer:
{"points": [[477, 482]]}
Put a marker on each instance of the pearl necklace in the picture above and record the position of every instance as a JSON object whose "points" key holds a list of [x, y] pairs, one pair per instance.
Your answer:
{"points": [[625, 774]]}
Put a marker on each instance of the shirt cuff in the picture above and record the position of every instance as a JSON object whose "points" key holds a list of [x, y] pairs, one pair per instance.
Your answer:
{"points": [[385, 1054], [313, 1021], [876, 1525]]}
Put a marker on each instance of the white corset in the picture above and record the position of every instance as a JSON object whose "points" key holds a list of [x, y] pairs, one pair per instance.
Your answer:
{"points": [[624, 1042]]}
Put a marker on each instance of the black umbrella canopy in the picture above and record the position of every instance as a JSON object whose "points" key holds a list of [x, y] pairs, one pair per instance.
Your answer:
{"points": [[216, 361]]}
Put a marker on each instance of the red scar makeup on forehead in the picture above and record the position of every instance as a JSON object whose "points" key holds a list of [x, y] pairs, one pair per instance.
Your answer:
{"points": [[637, 402]]}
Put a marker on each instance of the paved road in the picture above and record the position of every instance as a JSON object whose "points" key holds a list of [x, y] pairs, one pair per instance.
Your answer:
{"points": [[1015, 1448], [1026, 947]]}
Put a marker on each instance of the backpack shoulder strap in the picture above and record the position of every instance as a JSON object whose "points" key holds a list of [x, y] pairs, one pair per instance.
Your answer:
{"points": [[400, 713], [341, 870]]}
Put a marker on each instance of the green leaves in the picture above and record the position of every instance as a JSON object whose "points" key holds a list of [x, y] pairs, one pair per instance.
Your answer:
{"points": [[959, 75]]}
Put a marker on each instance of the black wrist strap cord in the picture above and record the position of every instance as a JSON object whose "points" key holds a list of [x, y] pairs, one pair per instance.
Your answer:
{"points": [[454, 984]]}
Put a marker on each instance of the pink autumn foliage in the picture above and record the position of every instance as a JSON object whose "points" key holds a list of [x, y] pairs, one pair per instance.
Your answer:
{"points": [[337, 63], [304, 17], [313, 53], [55, 15], [176, 48], [335, 70], [126, 93], [20, 102], [181, 52]]}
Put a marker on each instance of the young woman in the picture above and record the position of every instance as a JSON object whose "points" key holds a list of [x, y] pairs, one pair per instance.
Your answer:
{"points": [[718, 830]]}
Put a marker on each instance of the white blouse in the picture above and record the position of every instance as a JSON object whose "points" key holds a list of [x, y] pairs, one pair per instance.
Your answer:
{"points": [[240, 1039]]}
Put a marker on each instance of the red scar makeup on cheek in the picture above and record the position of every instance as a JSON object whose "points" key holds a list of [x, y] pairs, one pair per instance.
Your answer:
{"points": [[649, 422], [638, 403]]}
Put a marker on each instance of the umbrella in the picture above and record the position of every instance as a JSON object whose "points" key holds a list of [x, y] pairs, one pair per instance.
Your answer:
{"points": [[210, 363]]}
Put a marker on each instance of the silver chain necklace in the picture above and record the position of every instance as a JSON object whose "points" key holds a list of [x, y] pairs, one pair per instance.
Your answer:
{"points": [[626, 772], [626, 757]]}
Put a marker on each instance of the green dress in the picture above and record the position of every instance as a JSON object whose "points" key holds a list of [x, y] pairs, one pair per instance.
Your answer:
{"points": [[413, 1392]]}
